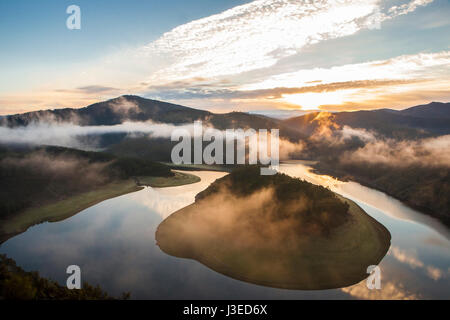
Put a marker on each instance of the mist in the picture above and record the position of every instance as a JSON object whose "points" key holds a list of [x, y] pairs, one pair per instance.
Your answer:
{"points": [[59, 168], [68, 134], [430, 152], [328, 132], [74, 136], [373, 148]]}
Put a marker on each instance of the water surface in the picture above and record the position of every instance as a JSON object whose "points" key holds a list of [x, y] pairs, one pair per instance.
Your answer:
{"points": [[114, 244]]}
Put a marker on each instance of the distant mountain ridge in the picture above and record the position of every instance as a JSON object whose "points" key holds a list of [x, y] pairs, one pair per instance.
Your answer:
{"points": [[419, 121], [435, 110], [111, 112], [135, 108]]}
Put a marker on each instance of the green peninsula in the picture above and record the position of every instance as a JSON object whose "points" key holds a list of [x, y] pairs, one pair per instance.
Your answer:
{"points": [[276, 231]]}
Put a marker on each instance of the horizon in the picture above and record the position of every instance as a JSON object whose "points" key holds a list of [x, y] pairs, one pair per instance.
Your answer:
{"points": [[328, 56], [281, 114]]}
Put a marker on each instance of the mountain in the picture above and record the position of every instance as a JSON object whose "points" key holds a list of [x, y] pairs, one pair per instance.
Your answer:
{"points": [[433, 110], [432, 118], [421, 121], [134, 108], [111, 112]]}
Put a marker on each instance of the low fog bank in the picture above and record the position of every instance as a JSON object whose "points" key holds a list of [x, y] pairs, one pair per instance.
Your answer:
{"points": [[431, 152], [347, 145], [74, 136], [147, 133], [327, 139], [38, 178]]}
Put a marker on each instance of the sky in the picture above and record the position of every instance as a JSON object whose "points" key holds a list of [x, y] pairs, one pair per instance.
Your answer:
{"points": [[226, 55]]}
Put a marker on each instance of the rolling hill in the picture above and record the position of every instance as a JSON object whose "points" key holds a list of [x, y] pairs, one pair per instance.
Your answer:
{"points": [[114, 111], [421, 121]]}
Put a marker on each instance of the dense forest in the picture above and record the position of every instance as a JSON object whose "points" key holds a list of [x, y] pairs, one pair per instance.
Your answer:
{"points": [[423, 188], [37, 176], [310, 207], [17, 284]]}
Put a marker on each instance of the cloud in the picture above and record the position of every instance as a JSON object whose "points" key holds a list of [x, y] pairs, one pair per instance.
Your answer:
{"points": [[67, 134], [282, 114], [348, 133], [218, 57], [405, 67], [166, 201], [96, 89], [405, 257], [391, 290], [430, 152], [123, 106], [415, 263], [91, 89], [59, 168], [255, 35], [70, 135], [331, 133], [408, 7], [259, 34], [399, 81], [435, 273], [371, 84], [199, 91]]}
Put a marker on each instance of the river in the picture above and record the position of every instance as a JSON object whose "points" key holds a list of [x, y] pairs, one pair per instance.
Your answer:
{"points": [[113, 242]]}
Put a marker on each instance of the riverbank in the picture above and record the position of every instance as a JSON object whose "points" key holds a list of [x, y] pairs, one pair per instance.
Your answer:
{"points": [[200, 167], [179, 179], [66, 208], [410, 195], [63, 209]]}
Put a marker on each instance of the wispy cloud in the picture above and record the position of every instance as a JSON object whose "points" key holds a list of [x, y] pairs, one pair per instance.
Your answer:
{"points": [[366, 83], [411, 259], [255, 35], [90, 89], [408, 7], [396, 81], [277, 92], [417, 66], [96, 89], [391, 290], [219, 56]]}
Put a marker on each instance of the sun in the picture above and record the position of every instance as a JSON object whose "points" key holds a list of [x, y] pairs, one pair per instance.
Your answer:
{"points": [[313, 100]]}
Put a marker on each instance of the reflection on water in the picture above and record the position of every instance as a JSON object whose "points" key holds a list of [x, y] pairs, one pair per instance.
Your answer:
{"points": [[165, 201], [113, 243], [359, 193], [418, 262]]}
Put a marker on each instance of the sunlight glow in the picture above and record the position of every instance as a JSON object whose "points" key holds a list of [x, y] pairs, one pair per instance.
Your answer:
{"points": [[313, 100]]}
